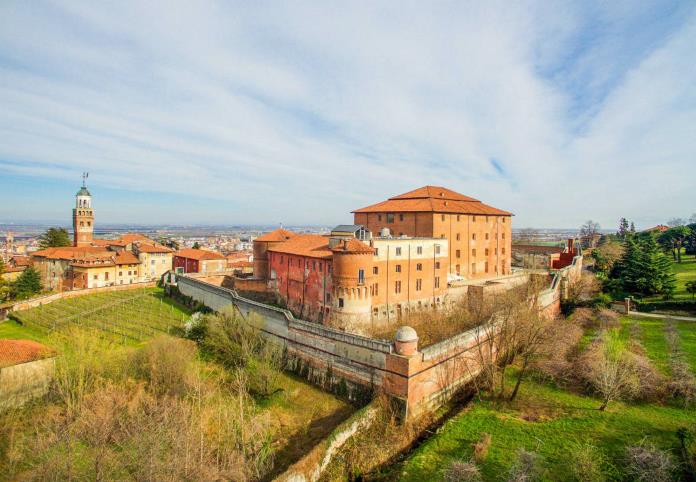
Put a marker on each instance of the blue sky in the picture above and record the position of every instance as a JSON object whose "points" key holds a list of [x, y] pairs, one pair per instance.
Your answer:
{"points": [[299, 112]]}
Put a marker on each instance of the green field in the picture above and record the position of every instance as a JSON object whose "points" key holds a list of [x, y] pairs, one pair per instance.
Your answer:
{"points": [[128, 316], [552, 421], [684, 271]]}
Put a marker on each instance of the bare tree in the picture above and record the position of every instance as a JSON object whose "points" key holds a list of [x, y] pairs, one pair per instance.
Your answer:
{"points": [[674, 222], [589, 232]]}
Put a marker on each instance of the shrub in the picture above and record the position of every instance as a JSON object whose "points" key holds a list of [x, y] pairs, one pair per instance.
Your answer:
{"points": [[601, 300], [527, 467], [165, 364], [460, 471], [585, 317], [646, 463], [607, 318], [586, 463], [481, 447]]}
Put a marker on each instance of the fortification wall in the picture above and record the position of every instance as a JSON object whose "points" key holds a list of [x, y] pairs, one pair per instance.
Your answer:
{"points": [[23, 382]]}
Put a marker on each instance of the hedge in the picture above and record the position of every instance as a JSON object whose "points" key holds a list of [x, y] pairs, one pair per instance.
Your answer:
{"points": [[680, 305]]}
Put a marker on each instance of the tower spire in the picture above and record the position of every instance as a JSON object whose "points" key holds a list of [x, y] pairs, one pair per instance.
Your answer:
{"points": [[85, 175]]}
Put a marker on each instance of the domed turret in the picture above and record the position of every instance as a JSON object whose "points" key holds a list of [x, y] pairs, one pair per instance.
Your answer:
{"points": [[406, 341]]}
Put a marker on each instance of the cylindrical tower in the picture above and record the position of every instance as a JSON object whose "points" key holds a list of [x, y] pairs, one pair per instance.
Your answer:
{"points": [[352, 280]]}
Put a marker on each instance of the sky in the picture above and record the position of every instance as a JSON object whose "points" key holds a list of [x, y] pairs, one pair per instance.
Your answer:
{"points": [[299, 112]]}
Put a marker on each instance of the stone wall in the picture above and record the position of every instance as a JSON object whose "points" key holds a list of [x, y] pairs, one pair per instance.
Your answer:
{"points": [[23, 382]]}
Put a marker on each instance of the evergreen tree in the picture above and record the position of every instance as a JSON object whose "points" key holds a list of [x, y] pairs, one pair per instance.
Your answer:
{"points": [[28, 284], [633, 228], [54, 237], [4, 285], [623, 228], [196, 245], [644, 269]]}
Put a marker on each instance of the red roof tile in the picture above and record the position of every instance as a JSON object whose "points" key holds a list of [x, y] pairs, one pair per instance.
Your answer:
{"points": [[14, 352], [199, 254], [433, 199], [125, 257], [152, 248], [277, 235], [352, 245], [310, 245], [71, 252]]}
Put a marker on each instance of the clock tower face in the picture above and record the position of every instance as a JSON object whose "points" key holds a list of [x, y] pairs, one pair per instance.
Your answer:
{"points": [[83, 218]]}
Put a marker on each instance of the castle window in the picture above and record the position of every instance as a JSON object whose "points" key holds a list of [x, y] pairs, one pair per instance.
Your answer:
{"points": [[89, 223], [473, 268], [458, 254], [375, 270], [379, 217], [401, 217], [503, 219], [376, 289], [390, 217], [503, 233], [398, 268], [437, 281], [376, 252], [473, 252], [502, 250], [486, 218], [96, 276], [459, 236], [457, 217], [328, 297], [398, 251], [314, 265], [397, 287], [486, 251], [437, 265], [486, 267], [442, 217], [473, 219], [419, 267], [361, 276], [458, 269], [82, 223], [340, 302], [321, 267], [419, 284], [473, 237], [486, 235], [120, 273], [419, 250]]}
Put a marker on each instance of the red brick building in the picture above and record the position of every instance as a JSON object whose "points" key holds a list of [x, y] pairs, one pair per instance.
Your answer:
{"points": [[191, 260]]}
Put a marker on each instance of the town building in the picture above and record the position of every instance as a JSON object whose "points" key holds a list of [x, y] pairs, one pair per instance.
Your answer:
{"points": [[189, 260], [479, 235], [93, 263]]}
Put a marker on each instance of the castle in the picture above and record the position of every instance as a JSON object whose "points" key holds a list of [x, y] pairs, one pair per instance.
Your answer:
{"points": [[93, 263], [399, 256]]}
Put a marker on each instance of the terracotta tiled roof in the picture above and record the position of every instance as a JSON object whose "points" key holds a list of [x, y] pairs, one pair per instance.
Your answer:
{"points": [[71, 252], [277, 235], [433, 199], [125, 257], [152, 248], [240, 264], [131, 237], [239, 256], [352, 245], [13, 269], [660, 227], [20, 260], [310, 245], [108, 242], [199, 254], [14, 352]]}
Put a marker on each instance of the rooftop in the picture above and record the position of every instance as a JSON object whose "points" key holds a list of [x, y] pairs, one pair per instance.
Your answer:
{"points": [[199, 254], [434, 199], [277, 235], [310, 245], [14, 352]]}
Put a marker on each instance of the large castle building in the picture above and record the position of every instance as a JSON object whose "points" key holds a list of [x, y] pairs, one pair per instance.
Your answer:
{"points": [[398, 257], [94, 263]]}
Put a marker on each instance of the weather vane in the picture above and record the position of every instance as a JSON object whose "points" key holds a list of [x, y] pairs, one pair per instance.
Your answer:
{"points": [[85, 175]]}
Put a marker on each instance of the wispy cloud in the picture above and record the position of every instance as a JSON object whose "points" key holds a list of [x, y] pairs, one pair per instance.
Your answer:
{"points": [[303, 111]]}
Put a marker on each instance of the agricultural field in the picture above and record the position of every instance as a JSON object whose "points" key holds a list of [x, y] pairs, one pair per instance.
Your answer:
{"points": [[554, 421], [128, 316]]}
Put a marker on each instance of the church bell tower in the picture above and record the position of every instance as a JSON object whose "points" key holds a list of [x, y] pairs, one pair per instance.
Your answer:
{"points": [[83, 216]]}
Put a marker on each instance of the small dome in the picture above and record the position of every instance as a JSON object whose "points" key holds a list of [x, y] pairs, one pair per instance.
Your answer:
{"points": [[406, 334], [83, 192]]}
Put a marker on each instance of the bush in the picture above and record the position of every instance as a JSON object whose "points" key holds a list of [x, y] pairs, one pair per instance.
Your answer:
{"points": [[585, 317], [601, 300], [607, 318], [460, 471], [585, 464], [646, 463], [481, 447], [165, 364], [527, 467], [671, 305]]}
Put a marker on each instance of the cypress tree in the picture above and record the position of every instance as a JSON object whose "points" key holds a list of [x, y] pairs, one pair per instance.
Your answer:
{"points": [[28, 284]]}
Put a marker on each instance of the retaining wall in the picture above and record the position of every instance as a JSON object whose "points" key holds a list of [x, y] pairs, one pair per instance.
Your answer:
{"points": [[23, 382]]}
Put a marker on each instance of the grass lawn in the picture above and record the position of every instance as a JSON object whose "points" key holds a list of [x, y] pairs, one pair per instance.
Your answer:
{"points": [[128, 316], [11, 330], [552, 421], [684, 271]]}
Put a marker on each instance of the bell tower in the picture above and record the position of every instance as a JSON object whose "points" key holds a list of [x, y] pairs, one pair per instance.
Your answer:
{"points": [[83, 216]]}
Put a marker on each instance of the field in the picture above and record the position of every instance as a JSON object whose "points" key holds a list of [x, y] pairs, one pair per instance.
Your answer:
{"points": [[684, 271], [553, 421], [127, 316]]}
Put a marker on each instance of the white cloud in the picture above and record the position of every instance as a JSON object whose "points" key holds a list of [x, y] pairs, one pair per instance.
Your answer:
{"points": [[303, 111]]}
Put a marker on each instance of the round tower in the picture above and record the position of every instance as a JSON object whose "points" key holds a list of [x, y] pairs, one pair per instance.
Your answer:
{"points": [[352, 280], [83, 217]]}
